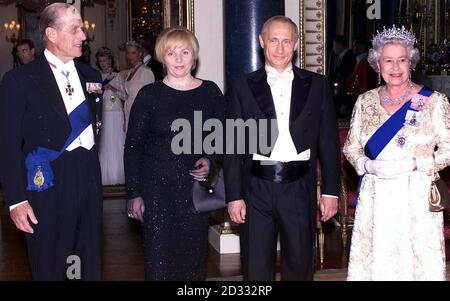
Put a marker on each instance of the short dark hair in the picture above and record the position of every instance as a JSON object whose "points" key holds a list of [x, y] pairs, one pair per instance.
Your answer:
{"points": [[146, 44], [361, 41], [341, 40], [26, 42]]}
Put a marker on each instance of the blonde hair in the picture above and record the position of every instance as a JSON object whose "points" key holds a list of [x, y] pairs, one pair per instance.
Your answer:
{"points": [[171, 37]]}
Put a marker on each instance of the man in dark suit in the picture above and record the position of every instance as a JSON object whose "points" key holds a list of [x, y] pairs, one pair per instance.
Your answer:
{"points": [[50, 112], [25, 50], [150, 61], [275, 193], [341, 65]]}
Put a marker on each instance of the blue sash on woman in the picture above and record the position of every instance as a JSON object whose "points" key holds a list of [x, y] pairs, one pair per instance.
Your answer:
{"points": [[105, 82], [39, 172], [387, 131]]}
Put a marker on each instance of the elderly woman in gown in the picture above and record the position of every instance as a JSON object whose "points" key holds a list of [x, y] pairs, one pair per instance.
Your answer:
{"points": [[138, 76], [112, 136], [399, 135]]}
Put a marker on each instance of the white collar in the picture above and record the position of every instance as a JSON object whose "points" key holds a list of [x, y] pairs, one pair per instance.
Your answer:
{"points": [[341, 56], [271, 69], [147, 58], [55, 62]]}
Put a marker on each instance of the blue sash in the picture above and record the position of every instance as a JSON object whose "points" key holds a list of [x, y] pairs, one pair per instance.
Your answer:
{"points": [[386, 132], [105, 82], [39, 172]]}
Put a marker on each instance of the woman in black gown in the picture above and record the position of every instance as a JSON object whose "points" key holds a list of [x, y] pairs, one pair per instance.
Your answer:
{"points": [[158, 178]]}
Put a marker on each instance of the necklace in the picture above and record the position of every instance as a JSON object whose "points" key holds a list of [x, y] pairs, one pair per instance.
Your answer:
{"points": [[185, 86], [395, 101]]}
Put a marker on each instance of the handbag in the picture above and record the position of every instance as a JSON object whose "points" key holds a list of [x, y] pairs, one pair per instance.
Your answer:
{"points": [[208, 196], [439, 197]]}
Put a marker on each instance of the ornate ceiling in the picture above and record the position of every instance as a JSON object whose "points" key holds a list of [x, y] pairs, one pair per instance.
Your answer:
{"points": [[37, 5]]}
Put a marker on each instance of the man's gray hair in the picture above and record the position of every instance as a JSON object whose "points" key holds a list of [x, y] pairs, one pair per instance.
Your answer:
{"points": [[282, 19], [50, 15]]}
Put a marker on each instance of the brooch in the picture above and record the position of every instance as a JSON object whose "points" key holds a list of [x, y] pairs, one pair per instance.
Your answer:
{"points": [[401, 140]]}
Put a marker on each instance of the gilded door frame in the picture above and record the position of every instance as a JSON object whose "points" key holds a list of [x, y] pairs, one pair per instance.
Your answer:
{"points": [[313, 35]]}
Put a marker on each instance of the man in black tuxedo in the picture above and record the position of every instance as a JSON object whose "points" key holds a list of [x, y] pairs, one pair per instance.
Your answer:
{"points": [[50, 111], [275, 193], [341, 65], [150, 61]]}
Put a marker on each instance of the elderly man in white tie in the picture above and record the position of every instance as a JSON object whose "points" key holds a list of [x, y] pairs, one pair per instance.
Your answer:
{"points": [[50, 117], [273, 193]]}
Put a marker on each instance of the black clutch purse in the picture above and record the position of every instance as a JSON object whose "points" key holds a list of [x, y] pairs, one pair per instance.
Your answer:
{"points": [[207, 196]]}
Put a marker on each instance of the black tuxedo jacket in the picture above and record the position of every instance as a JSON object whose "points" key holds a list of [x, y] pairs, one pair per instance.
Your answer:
{"points": [[156, 67], [32, 115], [344, 69], [312, 125]]}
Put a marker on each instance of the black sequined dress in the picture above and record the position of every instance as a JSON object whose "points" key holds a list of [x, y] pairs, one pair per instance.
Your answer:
{"points": [[175, 239]]}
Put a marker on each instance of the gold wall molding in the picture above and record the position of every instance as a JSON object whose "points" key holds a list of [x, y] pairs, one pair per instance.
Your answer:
{"points": [[313, 35]]}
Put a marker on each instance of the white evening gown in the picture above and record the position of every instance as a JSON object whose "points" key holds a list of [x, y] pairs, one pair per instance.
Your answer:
{"points": [[112, 134], [395, 236]]}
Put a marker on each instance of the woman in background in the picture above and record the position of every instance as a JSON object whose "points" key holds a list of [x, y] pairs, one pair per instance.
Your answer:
{"points": [[112, 135], [139, 75]]}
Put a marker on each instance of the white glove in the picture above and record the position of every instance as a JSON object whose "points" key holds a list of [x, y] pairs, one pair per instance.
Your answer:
{"points": [[425, 164], [387, 169]]}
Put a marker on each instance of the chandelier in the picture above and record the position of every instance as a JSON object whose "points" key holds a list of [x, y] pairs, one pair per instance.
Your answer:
{"points": [[12, 31]]}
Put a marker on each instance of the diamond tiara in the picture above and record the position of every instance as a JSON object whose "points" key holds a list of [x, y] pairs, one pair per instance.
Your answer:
{"points": [[394, 34]]}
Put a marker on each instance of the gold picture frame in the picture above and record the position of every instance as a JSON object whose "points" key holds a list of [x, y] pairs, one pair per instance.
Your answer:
{"points": [[174, 13], [179, 13]]}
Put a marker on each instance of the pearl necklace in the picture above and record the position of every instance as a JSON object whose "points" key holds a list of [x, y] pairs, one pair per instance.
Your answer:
{"points": [[183, 87], [395, 101]]}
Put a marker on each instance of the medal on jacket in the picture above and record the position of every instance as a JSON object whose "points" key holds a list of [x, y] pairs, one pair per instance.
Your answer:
{"points": [[69, 88], [38, 178]]}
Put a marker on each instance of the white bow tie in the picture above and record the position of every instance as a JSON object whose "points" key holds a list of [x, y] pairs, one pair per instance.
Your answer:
{"points": [[273, 77]]}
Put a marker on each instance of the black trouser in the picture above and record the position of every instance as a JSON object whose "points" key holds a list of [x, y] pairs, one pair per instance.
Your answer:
{"points": [[274, 208], [69, 220]]}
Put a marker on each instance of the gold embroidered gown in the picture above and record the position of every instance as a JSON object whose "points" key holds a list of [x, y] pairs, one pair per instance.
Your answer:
{"points": [[395, 236]]}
